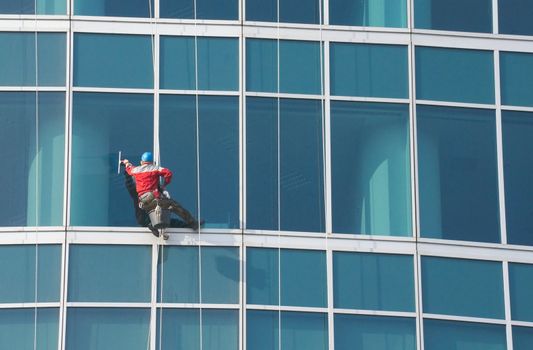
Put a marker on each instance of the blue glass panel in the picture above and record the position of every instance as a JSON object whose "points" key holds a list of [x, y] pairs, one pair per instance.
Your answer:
{"points": [[17, 273], [373, 281], [262, 330], [107, 329], [517, 140], [261, 65], [462, 287], [180, 275], [17, 59], [218, 63], [516, 71], [177, 65], [446, 335], [303, 278], [262, 277], [457, 171], [51, 7], [368, 70], [111, 60], [17, 329], [514, 17], [304, 330], [522, 338], [32, 202], [176, 9], [262, 10], [376, 333], [115, 8], [109, 273], [180, 329], [220, 275], [20, 7], [301, 166], [300, 11], [521, 285], [299, 67], [371, 183], [217, 9], [220, 329], [368, 13], [103, 124], [464, 16], [440, 70]]}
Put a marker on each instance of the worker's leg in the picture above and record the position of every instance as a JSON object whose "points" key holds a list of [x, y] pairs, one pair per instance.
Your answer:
{"points": [[183, 213]]}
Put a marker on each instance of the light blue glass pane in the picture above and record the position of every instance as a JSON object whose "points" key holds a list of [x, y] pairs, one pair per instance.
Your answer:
{"points": [[219, 160], [218, 63], [111, 60], [176, 9], [261, 65], [439, 71], [521, 285], [17, 273], [220, 275], [180, 275], [373, 281], [514, 17], [446, 335], [107, 329], [177, 65], [300, 11], [17, 59], [181, 329], [109, 273], [522, 338], [517, 141], [261, 163], [217, 9], [304, 330], [458, 176], [115, 8], [103, 124], [459, 15], [371, 183], [220, 329], [374, 333], [51, 7], [516, 71], [32, 202], [462, 287], [368, 70], [20, 7], [303, 278], [262, 330], [262, 10], [301, 166], [262, 276], [368, 13], [299, 67], [17, 329]]}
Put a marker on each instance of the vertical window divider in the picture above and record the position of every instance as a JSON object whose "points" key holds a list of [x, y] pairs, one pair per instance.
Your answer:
{"points": [[499, 147], [495, 21], [507, 304], [153, 304], [278, 168], [242, 177]]}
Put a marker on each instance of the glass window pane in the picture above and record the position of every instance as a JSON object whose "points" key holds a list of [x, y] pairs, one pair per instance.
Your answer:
{"points": [[368, 70], [51, 7], [304, 330], [17, 328], [457, 172], [300, 66], [27, 7], [261, 65], [262, 330], [522, 338], [521, 285], [368, 13], [446, 335], [300, 11], [220, 329], [218, 63], [115, 8], [518, 139], [262, 276], [440, 70], [109, 273], [176, 9], [107, 328], [462, 287], [374, 332], [177, 63], [516, 70], [217, 9], [373, 281], [371, 183], [220, 275], [514, 17], [464, 16], [180, 275], [32, 203], [262, 10], [112, 60], [103, 124]]}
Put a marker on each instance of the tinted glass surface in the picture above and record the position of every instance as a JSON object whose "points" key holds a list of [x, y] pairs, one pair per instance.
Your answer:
{"points": [[300, 67], [261, 65], [220, 275], [262, 276], [521, 284], [180, 271], [368, 13], [458, 174], [115, 8], [514, 17], [522, 338], [300, 11], [516, 72], [446, 335], [205, 9], [176, 8], [304, 330], [18, 328], [27, 7], [457, 15], [262, 330], [177, 63], [262, 10]]}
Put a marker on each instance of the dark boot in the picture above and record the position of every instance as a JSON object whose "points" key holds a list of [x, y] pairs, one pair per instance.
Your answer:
{"points": [[155, 231]]}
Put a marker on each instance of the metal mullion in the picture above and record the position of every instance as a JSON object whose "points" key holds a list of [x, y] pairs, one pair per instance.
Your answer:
{"points": [[522, 324], [200, 92], [64, 298], [323, 310], [30, 305], [109, 305], [243, 304], [375, 313], [370, 99], [464, 319], [331, 304], [242, 133], [419, 302], [327, 138], [113, 90], [507, 304], [68, 128], [495, 22], [153, 298], [33, 88], [283, 95], [517, 108], [455, 104], [198, 306]]}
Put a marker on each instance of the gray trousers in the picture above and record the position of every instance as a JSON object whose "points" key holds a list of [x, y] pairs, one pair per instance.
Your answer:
{"points": [[148, 202]]}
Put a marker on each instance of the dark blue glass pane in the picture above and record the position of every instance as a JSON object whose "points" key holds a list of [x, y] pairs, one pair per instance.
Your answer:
{"points": [[521, 285], [218, 63], [261, 163], [522, 338], [177, 63], [300, 11], [103, 124], [368, 13], [374, 332], [220, 329], [262, 10], [517, 141], [514, 17], [18, 328], [300, 67], [462, 287], [262, 330], [459, 15], [516, 71], [261, 65], [176, 9], [17, 7], [304, 330], [262, 276], [220, 275], [217, 9], [115, 8], [439, 71], [458, 176], [180, 283], [51, 7], [446, 335]]}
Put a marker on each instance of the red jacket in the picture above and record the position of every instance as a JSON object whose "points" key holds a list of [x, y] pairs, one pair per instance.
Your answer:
{"points": [[147, 177]]}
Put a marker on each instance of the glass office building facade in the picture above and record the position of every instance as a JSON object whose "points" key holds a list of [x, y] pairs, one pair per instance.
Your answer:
{"points": [[363, 168]]}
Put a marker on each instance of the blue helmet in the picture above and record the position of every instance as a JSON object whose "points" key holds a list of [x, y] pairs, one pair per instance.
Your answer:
{"points": [[147, 157]]}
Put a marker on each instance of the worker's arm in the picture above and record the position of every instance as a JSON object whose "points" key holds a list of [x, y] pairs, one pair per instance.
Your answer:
{"points": [[167, 175], [129, 166]]}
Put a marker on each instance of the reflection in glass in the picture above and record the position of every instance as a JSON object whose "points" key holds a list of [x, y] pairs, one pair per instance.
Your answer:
{"points": [[521, 284], [262, 330], [262, 276], [290, 11], [514, 17], [27, 7], [17, 328], [205, 9], [516, 71], [114, 8], [522, 338], [446, 335], [456, 15], [261, 65], [368, 13]]}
